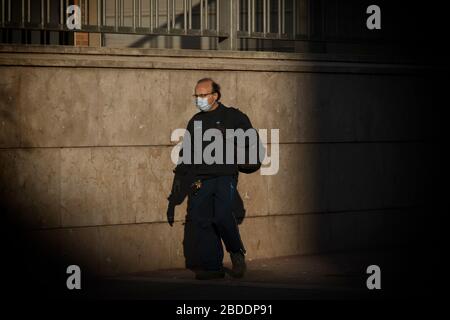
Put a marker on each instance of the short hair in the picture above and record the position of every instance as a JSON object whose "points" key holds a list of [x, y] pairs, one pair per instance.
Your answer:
{"points": [[215, 86]]}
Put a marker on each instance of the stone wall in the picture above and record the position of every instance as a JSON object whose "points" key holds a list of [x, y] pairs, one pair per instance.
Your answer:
{"points": [[85, 149]]}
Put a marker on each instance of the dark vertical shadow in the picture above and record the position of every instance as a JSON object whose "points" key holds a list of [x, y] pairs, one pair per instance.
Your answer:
{"points": [[32, 263], [382, 174]]}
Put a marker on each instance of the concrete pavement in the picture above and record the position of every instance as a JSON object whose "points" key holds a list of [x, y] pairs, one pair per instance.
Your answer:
{"points": [[325, 276]]}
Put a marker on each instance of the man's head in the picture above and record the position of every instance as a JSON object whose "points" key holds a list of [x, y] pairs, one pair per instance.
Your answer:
{"points": [[207, 94]]}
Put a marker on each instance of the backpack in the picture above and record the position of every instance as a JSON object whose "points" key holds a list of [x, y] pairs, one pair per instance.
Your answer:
{"points": [[246, 168]]}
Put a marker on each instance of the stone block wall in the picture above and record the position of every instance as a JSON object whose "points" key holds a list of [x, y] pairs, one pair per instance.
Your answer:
{"points": [[85, 150]]}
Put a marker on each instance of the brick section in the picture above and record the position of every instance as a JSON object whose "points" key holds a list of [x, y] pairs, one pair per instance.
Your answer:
{"points": [[81, 39]]}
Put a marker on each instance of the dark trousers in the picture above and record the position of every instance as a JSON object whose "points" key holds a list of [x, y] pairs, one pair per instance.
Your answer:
{"points": [[210, 209]]}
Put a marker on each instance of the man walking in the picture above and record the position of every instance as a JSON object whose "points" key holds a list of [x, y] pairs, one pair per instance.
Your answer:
{"points": [[211, 185]]}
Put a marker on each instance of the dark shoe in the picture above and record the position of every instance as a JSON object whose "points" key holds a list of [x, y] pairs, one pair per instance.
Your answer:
{"points": [[210, 274], [239, 266]]}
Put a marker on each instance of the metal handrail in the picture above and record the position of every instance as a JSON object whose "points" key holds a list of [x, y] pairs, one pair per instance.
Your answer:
{"points": [[178, 18]]}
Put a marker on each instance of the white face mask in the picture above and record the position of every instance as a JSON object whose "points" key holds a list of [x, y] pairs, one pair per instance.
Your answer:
{"points": [[202, 104]]}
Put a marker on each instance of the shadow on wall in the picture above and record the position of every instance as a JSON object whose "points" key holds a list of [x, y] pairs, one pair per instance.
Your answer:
{"points": [[31, 265], [185, 42]]}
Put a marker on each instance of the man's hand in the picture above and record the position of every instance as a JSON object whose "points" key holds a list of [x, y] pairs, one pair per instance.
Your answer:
{"points": [[170, 214]]}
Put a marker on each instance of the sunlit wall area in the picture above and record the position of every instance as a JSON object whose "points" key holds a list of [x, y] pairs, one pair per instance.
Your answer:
{"points": [[85, 151]]}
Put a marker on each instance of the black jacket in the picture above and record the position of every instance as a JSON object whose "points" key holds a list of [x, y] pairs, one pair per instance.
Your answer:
{"points": [[221, 118]]}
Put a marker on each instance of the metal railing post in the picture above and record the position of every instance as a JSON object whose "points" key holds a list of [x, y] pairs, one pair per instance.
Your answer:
{"points": [[228, 23], [122, 16], [279, 18], [23, 13], [150, 13], [253, 29], [140, 14], [3, 13], [157, 13], [133, 9], [104, 12], [116, 14], [168, 16], [173, 14], [61, 12], [190, 14], [99, 11], [184, 16], [294, 20], [249, 17], [201, 16], [48, 11], [264, 17], [218, 15], [206, 15], [42, 13]]}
